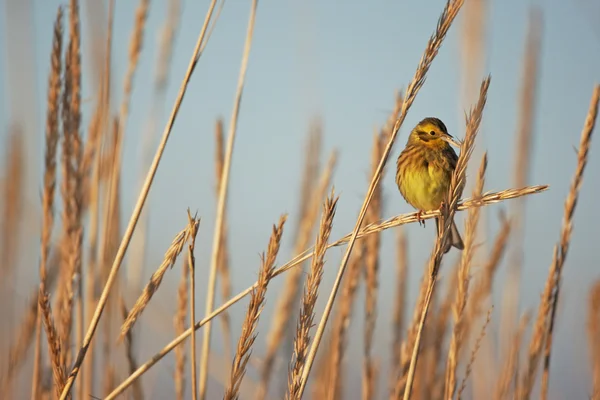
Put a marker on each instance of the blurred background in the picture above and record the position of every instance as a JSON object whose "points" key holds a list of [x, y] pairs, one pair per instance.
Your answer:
{"points": [[341, 62]]}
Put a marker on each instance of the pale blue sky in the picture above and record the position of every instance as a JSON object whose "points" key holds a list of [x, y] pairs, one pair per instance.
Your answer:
{"points": [[344, 60]]}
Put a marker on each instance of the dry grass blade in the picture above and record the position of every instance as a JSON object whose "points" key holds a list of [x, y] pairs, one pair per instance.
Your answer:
{"points": [[509, 373], [593, 328], [54, 344], [399, 310], [311, 291], [342, 324], [433, 46], [257, 300], [463, 383], [482, 289], [372, 247], [567, 228], [134, 218], [193, 231], [522, 166], [456, 186], [223, 261], [486, 199], [51, 136], [461, 327], [545, 320], [171, 255], [179, 322], [138, 394], [222, 201]]}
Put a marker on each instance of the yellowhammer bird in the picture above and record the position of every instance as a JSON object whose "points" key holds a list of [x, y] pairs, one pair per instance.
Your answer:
{"points": [[424, 171]]}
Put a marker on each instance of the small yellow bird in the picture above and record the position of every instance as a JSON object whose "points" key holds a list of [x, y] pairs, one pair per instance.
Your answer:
{"points": [[424, 171]]}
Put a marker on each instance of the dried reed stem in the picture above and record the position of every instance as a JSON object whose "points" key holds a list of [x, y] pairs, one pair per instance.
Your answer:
{"points": [[138, 394], [223, 190], [567, 229], [486, 199], [456, 186], [134, 218], [433, 46], [54, 344], [193, 231], [93, 154], [522, 166], [166, 40], [372, 247], [593, 328], [255, 307], [342, 323], [223, 262], [461, 327], [482, 289], [51, 135], [309, 299], [509, 372], [463, 383], [179, 322], [399, 309]]}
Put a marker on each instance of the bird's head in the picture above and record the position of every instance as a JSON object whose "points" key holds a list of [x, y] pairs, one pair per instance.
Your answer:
{"points": [[431, 132]]}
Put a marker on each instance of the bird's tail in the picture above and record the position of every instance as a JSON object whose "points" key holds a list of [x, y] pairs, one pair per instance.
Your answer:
{"points": [[455, 239]]}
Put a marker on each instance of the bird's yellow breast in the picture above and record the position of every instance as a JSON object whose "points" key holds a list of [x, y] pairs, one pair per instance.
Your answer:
{"points": [[424, 184]]}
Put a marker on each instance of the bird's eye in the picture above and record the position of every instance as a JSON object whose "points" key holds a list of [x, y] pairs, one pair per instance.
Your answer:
{"points": [[432, 133]]}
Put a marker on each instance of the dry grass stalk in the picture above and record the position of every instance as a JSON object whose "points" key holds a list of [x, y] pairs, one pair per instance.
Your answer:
{"points": [[342, 324], [179, 322], [51, 137], [169, 260], [372, 247], [138, 394], [482, 288], [429, 376], [593, 328], [461, 327], [399, 309], [165, 42], [64, 299], [193, 231], [545, 320], [433, 46], [74, 233], [135, 47], [222, 200], [223, 256], [509, 373], [567, 229], [486, 199], [311, 196], [522, 166], [12, 207], [408, 344], [255, 307], [469, 369], [309, 299], [54, 344], [91, 163], [456, 187]]}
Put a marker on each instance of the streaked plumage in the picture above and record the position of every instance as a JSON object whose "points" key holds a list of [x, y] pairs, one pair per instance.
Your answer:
{"points": [[424, 170]]}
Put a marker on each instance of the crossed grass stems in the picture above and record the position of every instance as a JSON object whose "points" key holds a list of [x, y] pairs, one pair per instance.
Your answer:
{"points": [[445, 21]]}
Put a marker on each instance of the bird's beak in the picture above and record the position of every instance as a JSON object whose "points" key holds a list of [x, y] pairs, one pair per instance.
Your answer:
{"points": [[449, 139]]}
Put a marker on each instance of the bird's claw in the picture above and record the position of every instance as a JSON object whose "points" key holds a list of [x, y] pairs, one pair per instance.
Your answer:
{"points": [[419, 219]]}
